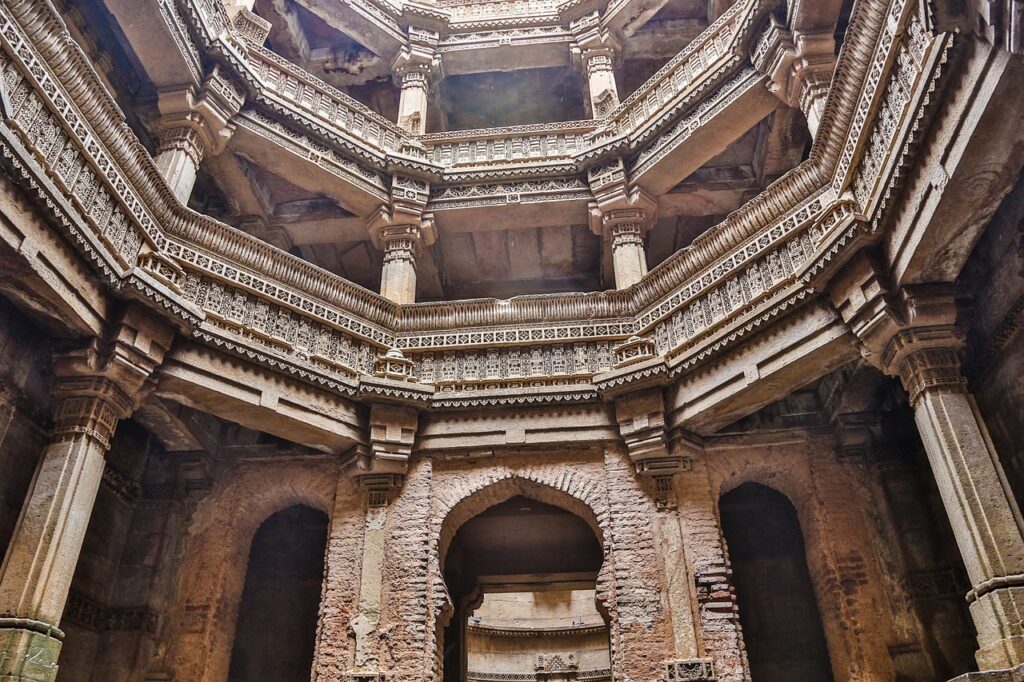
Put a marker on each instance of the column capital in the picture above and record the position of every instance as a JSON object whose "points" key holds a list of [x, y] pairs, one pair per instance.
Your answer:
{"points": [[105, 380], [799, 66], [419, 58], [395, 398], [931, 369], [591, 40], [618, 202], [888, 324], [404, 217], [205, 112], [635, 386]]}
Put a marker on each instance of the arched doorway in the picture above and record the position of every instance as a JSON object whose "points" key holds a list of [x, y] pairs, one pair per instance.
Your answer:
{"points": [[522, 577], [778, 612], [277, 617]]}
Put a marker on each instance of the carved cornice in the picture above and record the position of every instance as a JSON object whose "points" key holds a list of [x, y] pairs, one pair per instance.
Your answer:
{"points": [[97, 179]]}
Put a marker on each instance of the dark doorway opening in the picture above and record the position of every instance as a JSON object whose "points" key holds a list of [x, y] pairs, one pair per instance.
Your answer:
{"points": [[778, 612], [277, 618], [522, 577]]}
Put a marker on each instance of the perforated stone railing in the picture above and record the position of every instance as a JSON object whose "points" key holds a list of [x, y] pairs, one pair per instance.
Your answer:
{"points": [[323, 103], [714, 49], [520, 36], [529, 144], [65, 139], [290, 90]]}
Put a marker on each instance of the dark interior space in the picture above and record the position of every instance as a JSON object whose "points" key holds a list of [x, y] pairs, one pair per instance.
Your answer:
{"points": [[781, 624], [276, 631]]}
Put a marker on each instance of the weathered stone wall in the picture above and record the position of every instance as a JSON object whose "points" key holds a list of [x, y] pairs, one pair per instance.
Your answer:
{"points": [[599, 487], [24, 410], [832, 505], [197, 642]]}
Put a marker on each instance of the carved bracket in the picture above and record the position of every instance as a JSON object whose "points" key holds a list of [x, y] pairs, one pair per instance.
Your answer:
{"points": [[395, 399]]}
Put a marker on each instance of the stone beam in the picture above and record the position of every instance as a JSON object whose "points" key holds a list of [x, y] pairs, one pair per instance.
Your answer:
{"points": [[970, 163], [286, 33], [356, 19], [40, 273], [509, 211], [242, 184], [259, 399], [789, 355], [662, 39], [480, 433], [155, 40], [813, 15], [676, 155], [626, 18], [262, 146]]}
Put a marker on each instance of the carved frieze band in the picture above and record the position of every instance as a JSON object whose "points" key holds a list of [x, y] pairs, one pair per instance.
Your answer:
{"points": [[291, 315]]}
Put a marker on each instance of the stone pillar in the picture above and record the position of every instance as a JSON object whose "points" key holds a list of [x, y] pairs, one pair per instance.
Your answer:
{"points": [[799, 67], [912, 334], [177, 158], [402, 230], [982, 511], [622, 214], [595, 52], [194, 123], [635, 385], [628, 256], [398, 276], [95, 388], [416, 68]]}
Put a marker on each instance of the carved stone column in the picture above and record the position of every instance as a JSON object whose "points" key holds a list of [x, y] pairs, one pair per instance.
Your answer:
{"points": [[982, 511], [395, 400], [635, 385], [621, 214], [595, 52], [95, 388], [416, 69], [402, 230], [913, 335], [194, 123], [799, 66]]}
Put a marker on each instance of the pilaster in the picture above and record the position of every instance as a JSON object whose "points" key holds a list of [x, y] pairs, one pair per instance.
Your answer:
{"points": [[194, 123], [622, 214], [96, 387], [595, 52], [379, 468]]}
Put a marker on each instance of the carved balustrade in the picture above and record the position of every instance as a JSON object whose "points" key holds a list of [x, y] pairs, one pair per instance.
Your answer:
{"points": [[527, 145], [368, 138], [246, 297]]}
